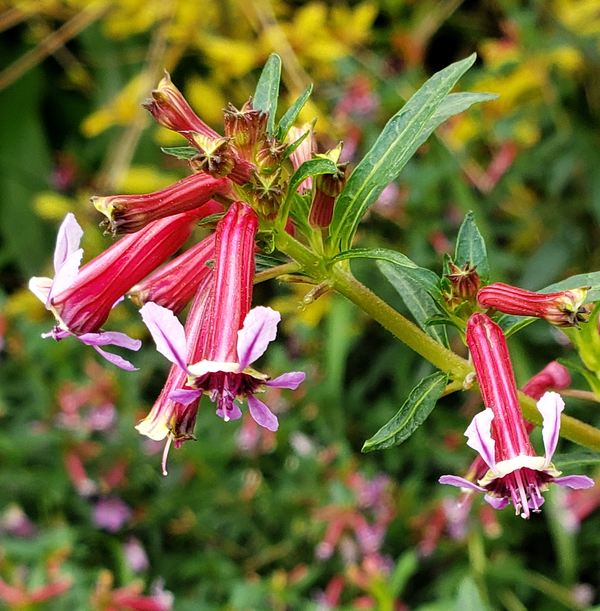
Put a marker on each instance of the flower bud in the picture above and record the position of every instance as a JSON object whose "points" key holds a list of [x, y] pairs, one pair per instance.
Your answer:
{"points": [[464, 281], [327, 188], [563, 309], [130, 213], [245, 128], [171, 110]]}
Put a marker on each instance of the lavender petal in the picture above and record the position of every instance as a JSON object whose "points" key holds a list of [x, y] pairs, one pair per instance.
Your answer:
{"points": [[262, 415], [115, 338], [115, 359], [497, 502], [479, 437], [550, 406], [290, 380], [259, 329], [167, 332], [185, 396], [460, 482], [577, 482], [234, 413]]}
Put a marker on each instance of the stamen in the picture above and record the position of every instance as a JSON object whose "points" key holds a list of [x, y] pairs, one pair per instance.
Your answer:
{"points": [[166, 453]]}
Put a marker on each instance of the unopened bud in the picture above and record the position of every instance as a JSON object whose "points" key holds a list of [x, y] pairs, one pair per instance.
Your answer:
{"points": [[563, 309], [171, 110], [463, 280], [268, 192], [327, 188]]}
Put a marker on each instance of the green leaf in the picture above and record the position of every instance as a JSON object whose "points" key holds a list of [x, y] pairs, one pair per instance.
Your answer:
{"points": [[411, 415], [425, 277], [401, 137], [266, 262], [575, 460], [211, 218], [292, 113], [181, 152], [312, 167], [470, 248], [420, 304], [290, 148], [267, 90], [456, 103], [511, 324]]}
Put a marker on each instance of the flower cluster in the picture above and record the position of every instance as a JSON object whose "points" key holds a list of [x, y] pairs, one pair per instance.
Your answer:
{"points": [[238, 178]]}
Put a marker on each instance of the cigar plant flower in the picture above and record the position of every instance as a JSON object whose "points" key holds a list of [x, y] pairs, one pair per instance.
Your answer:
{"points": [[516, 474], [563, 309], [81, 299], [217, 351]]}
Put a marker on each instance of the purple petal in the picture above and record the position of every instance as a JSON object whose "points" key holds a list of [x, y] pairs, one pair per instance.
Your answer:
{"points": [[460, 482], [185, 396], [234, 413], [110, 337], [497, 502], [260, 328], [115, 359], [550, 406], [262, 414], [290, 380], [167, 332], [577, 482], [479, 437], [67, 241]]}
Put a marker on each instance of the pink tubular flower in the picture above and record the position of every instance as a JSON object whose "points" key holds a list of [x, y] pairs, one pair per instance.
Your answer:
{"points": [[231, 336], [130, 213], [81, 299], [562, 309], [168, 417], [174, 285], [499, 433]]}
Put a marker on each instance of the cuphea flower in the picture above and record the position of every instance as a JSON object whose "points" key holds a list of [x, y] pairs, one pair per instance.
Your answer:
{"points": [[499, 433], [563, 309], [81, 299], [216, 351]]}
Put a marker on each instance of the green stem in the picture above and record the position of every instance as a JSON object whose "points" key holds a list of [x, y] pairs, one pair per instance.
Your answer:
{"points": [[406, 331], [439, 356], [274, 272]]}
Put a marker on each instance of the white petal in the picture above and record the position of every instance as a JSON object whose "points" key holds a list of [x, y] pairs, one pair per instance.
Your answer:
{"points": [[479, 437], [260, 328], [167, 332], [67, 240], [550, 406]]}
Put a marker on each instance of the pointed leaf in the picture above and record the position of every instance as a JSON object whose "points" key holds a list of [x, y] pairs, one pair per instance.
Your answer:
{"points": [[470, 248], [181, 152], [401, 137], [411, 415], [416, 298], [267, 90], [312, 167], [292, 113], [425, 277]]}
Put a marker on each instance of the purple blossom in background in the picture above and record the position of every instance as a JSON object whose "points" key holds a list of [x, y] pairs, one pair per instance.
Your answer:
{"points": [[110, 513]]}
